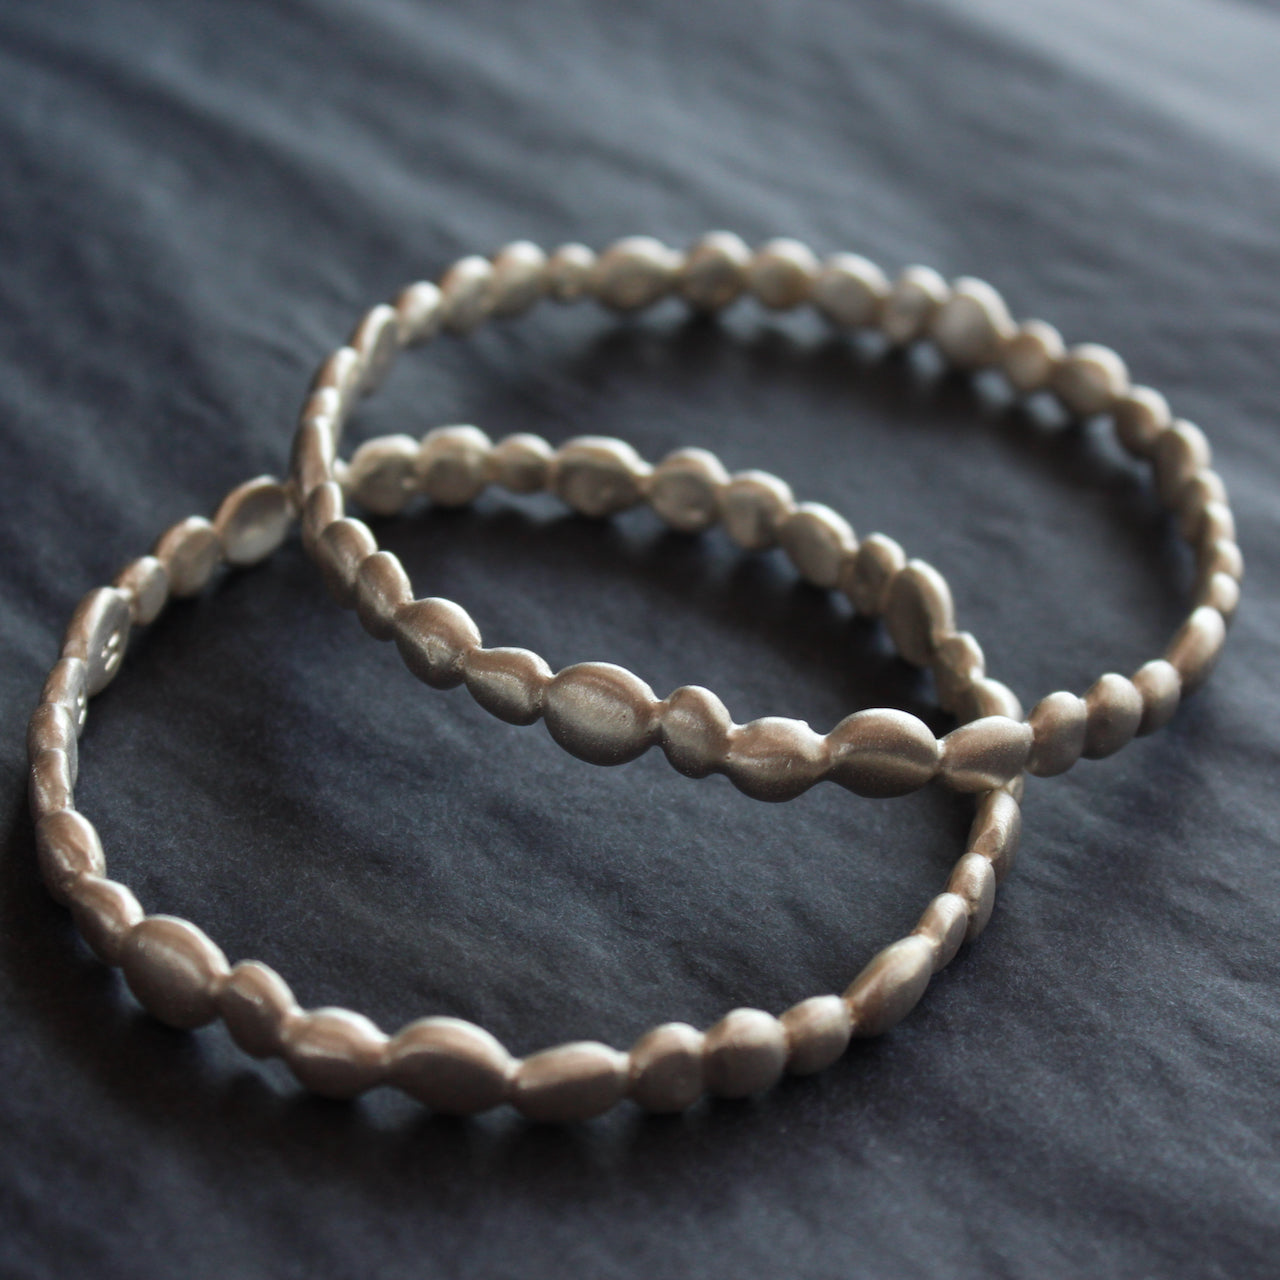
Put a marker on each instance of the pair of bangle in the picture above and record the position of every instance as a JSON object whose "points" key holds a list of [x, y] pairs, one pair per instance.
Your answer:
{"points": [[603, 713]]}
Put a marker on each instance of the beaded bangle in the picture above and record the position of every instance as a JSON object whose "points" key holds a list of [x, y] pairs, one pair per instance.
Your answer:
{"points": [[970, 325], [182, 977]]}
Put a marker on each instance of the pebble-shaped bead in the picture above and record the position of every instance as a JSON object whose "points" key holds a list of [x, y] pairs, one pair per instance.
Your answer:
{"points": [[435, 637], [913, 299], [819, 542], [972, 325], [891, 985], [685, 489], [1058, 724], [340, 550], [519, 278], [1090, 378], [1161, 688], [508, 683], [1217, 524], [634, 272], [98, 635], [988, 697], [781, 273], [53, 727], [67, 847], [714, 272], [520, 463], [1181, 451], [569, 272], [985, 753], [452, 464], [601, 713], [870, 573], [996, 831], [957, 662], [1219, 591], [449, 1065], [570, 1082], [377, 341], [105, 913], [882, 752], [146, 582], [334, 1052], [311, 458], [1196, 647], [1189, 506], [323, 506], [944, 924], [1113, 710], [256, 1004], [1029, 356], [919, 612], [818, 1031], [467, 294], [174, 970], [1222, 556], [382, 590], [744, 1053], [382, 474], [849, 290], [695, 728], [50, 783], [753, 506], [598, 476], [775, 758], [190, 552], [253, 521], [1141, 417], [419, 313], [667, 1068], [974, 880], [340, 372], [68, 686]]}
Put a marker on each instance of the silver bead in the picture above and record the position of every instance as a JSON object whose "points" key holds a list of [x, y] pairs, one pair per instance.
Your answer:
{"points": [[890, 986], [974, 880], [340, 550], [598, 476], [869, 575], [435, 637], [419, 313], [781, 273], [972, 325], [667, 1070], [190, 551], [1141, 417], [913, 299], [449, 1065], [467, 294], [1090, 379], [1114, 711], [174, 970], [382, 590], [50, 783], [714, 271], [105, 913], [146, 583], [601, 713], [634, 272], [849, 290], [819, 542], [1181, 451], [382, 474], [985, 754], [520, 463], [68, 686], [944, 924], [753, 506], [451, 465], [775, 759], [1219, 591], [376, 339], [570, 1082], [685, 489], [569, 272], [1194, 650], [988, 697], [324, 505], [98, 635], [67, 847], [1222, 556], [519, 278], [311, 460], [1189, 506], [996, 831], [957, 662], [1161, 688], [334, 1052], [1029, 356], [256, 1004], [340, 372], [744, 1053], [882, 752], [253, 521], [53, 727], [508, 683], [818, 1031], [695, 731], [1058, 724], [919, 612]]}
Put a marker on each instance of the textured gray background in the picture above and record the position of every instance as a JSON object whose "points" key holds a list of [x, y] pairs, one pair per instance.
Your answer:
{"points": [[196, 200]]}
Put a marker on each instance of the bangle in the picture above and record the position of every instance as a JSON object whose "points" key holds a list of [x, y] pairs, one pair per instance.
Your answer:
{"points": [[181, 977], [970, 325]]}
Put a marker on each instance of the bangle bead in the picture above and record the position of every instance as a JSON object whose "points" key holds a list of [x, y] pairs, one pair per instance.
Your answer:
{"points": [[68, 686], [685, 489], [849, 291], [890, 986], [67, 847], [745, 1053], [146, 582], [252, 521], [1090, 378], [569, 272], [382, 474], [601, 713], [919, 612], [190, 551], [668, 1068], [753, 506], [174, 970], [818, 542], [508, 683], [451, 1066], [451, 465], [634, 273], [599, 477], [466, 294], [104, 913], [972, 325], [714, 271], [974, 882], [781, 273], [520, 463], [1113, 712], [256, 1004], [943, 925], [817, 1031], [869, 575], [1058, 726], [1195, 649], [1030, 355], [1160, 685], [996, 832], [1141, 416], [519, 278], [98, 635], [334, 1052], [570, 1082], [912, 301], [376, 340]]}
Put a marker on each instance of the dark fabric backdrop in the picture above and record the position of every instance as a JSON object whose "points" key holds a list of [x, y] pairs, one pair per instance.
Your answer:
{"points": [[196, 200]]}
